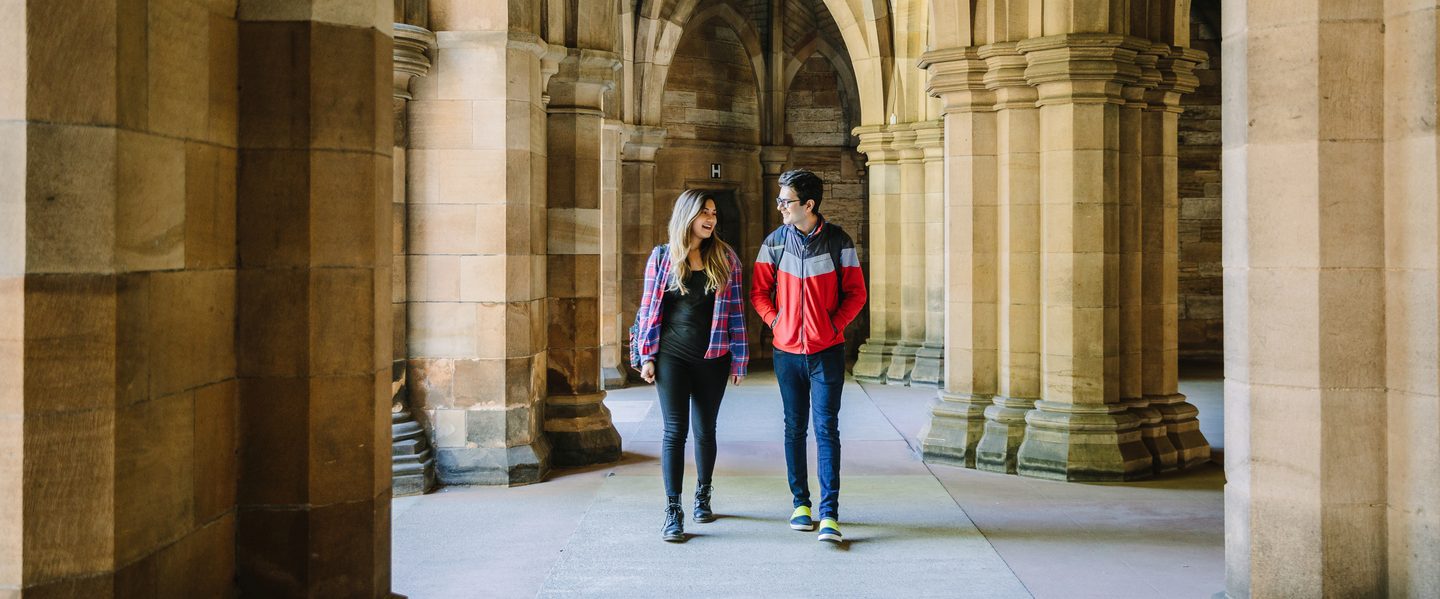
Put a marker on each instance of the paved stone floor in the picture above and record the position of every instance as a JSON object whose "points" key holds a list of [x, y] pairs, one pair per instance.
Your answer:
{"points": [[912, 529]]}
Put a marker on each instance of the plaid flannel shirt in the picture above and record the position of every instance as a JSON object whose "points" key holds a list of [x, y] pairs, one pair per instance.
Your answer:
{"points": [[727, 325]]}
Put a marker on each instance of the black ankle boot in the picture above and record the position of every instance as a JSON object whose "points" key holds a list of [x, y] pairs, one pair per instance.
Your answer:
{"points": [[674, 530], [702, 504]]}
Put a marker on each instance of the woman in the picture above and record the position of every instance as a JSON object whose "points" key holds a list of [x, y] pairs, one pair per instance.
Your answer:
{"points": [[689, 335]]}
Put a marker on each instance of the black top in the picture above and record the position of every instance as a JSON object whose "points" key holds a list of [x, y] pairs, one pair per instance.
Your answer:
{"points": [[685, 323]]}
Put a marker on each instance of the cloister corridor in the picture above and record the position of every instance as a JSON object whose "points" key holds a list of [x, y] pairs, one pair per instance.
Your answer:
{"points": [[913, 530]]}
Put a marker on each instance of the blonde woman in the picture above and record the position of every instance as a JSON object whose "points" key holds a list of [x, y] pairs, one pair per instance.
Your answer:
{"points": [[689, 336]]}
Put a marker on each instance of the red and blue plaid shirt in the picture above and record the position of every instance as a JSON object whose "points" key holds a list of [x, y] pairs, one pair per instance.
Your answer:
{"points": [[727, 325]]}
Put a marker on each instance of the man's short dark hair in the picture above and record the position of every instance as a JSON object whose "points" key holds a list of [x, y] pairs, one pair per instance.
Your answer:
{"points": [[806, 184]]}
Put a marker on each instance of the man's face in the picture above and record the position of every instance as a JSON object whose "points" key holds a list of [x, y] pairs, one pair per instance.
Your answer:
{"points": [[792, 210]]}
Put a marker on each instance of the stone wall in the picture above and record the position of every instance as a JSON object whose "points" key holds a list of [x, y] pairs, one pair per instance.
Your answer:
{"points": [[1202, 328]]}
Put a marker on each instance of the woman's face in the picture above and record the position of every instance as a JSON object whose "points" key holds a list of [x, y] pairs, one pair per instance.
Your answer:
{"points": [[704, 224]]}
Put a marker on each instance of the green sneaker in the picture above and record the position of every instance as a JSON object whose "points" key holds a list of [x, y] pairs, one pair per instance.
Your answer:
{"points": [[800, 520], [830, 530]]}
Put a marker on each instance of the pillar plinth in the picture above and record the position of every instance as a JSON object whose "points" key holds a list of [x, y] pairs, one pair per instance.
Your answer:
{"points": [[954, 429], [970, 336], [1004, 430]]}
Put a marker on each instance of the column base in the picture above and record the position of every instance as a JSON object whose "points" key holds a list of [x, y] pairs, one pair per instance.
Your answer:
{"points": [[1152, 432], [929, 366], [1082, 443], [614, 377], [519, 465], [902, 361], [1004, 432], [873, 361], [580, 430], [1183, 429], [956, 423]]}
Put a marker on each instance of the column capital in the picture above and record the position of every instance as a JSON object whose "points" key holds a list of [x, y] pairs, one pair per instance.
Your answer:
{"points": [[930, 136], [413, 46], [902, 143], [581, 78], [957, 77], [875, 143], [1081, 68], [1005, 75], [773, 159], [1176, 68], [641, 143]]}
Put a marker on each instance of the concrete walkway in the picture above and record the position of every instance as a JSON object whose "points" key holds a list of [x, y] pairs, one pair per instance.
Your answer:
{"points": [[912, 529]]}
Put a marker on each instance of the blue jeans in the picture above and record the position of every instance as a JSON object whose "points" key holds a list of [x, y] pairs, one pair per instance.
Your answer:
{"points": [[811, 384]]}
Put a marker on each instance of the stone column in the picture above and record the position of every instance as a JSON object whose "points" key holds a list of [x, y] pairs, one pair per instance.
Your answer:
{"points": [[930, 358], [772, 163], [614, 361], [576, 419], [957, 414], [476, 269], [1079, 430], [1161, 247], [1133, 233], [413, 467], [314, 310], [882, 172], [1308, 299], [637, 221], [1017, 133], [909, 229]]}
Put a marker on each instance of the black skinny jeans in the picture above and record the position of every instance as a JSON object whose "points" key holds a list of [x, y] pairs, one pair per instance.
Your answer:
{"points": [[686, 388]]}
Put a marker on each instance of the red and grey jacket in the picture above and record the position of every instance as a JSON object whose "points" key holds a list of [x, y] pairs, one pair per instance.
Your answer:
{"points": [[808, 287]]}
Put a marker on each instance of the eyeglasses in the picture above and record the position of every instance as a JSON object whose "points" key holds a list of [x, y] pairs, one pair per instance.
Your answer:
{"points": [[781, 202]]}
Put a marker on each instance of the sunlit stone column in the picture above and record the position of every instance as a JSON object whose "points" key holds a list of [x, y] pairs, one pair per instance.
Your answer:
{"points": [[1311, 435], [476, 267], [930, 358], [576, 419], [1079, 430], [910, 240], [1133, 233], [883, 173], [957, 414], [1161, 247], [1017, 134]]}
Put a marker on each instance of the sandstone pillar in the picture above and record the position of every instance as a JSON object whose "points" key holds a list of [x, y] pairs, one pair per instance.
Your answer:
{"points": [[637, 221], [772, 164], [1080, 430], [1161, 248], [118, 390], [883, 174], [1412, 285], [957, 414], [1310, 179], [476, 267], [614, 361], [576, 419], [909, 229], [1134, 231], [413, 468], [1017, 134], [313, 318], [930, 357]]}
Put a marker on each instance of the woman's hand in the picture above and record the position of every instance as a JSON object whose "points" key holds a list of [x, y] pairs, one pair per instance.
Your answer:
{"points": [[647, 372], [737, 378]]}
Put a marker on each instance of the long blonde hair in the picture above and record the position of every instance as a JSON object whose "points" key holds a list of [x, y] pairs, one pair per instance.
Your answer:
{"points": [[714, 252]]}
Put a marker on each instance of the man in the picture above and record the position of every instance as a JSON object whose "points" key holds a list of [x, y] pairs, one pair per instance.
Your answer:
{"points": [[807, 286]]}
